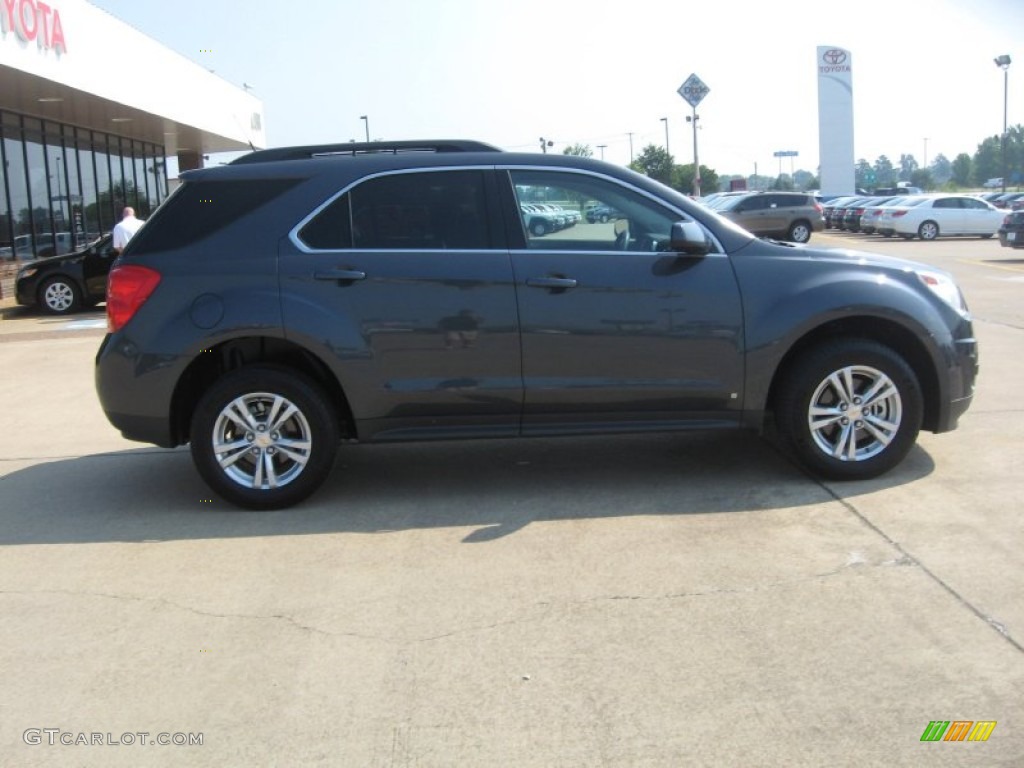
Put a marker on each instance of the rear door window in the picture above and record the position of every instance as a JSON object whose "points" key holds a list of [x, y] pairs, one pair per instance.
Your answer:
{"points": [[428, 210]]}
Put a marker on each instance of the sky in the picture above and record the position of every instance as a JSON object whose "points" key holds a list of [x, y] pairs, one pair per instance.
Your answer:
{"points": [[593, 72]]}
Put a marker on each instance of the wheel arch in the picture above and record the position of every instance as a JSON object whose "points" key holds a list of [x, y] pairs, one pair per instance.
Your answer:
{"points": [[232, 354], [883, 331]]}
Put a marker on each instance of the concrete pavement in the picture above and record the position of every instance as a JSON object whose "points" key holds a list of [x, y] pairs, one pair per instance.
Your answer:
{"points": [[656, 600]]}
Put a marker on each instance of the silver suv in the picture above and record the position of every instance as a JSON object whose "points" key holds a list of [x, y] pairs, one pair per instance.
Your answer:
{"points": [[786, 215]]}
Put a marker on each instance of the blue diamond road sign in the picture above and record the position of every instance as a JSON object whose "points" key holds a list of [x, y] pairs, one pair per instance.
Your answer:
{"points": [[693, 90]]}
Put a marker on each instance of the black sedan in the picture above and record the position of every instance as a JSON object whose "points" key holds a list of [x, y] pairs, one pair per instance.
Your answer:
{"points": [[64, 284], [1011, 233]]}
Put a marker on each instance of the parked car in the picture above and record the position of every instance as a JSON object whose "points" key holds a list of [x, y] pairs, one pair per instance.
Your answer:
{"points": [[64, 284], [789, 215], [941, 215], [602, 213], [855, 212], [869, 218], [327, 298], [993, 183], [1008, 200], [1011, 232], [41, 246], [836, 204], [540, 221]]}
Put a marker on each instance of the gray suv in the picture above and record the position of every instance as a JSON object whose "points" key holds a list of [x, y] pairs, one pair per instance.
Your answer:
{"points": [[786, 215], [307, 297]]}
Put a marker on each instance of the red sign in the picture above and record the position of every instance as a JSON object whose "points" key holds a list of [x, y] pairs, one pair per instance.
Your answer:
{"points": [[34, 21]]}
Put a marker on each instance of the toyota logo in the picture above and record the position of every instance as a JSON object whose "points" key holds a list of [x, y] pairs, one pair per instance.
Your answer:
{"points": [[834, 56]]}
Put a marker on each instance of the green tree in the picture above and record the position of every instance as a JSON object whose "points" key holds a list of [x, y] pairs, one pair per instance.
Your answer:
{"points": [[922, 178], [884, 172], [907, 167], [656, 162], [578, 150], [783, 182], [682, 179], [805, 180], [941, 169], [962, 170], [987, 162], [864, 174]]}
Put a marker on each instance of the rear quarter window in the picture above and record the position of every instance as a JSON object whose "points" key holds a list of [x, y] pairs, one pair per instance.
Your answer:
{"points": [[200, 208]]}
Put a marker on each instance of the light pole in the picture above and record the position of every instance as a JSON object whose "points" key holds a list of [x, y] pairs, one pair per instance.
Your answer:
{"points": [[1003, 62], [925, 166], [601, 147], [696, 159], [366, 124], [544, 144], [630, 134], [665, 121]]}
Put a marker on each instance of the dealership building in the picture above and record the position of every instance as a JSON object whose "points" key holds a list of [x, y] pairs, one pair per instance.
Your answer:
{"points": [[90, 112]]}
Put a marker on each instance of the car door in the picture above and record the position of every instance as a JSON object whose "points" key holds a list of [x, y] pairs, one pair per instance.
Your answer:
{"points": [[404, 283], [617, 330], [946, 211], [96, 265], [979, 217]]}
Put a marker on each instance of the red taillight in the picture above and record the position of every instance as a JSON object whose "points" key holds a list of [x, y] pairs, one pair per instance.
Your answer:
{"points": [[128, 287], [897, 214]]}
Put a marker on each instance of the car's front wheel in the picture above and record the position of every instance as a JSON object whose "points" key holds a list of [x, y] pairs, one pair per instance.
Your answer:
{"points": [[264, 437], [60, 296], [850, 409]]}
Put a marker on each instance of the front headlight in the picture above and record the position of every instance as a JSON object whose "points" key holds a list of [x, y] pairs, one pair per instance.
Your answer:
{"points": [[945, 288], [27, 272]]}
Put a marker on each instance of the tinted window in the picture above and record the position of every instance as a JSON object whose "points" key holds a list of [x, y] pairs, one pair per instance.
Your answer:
{"points": [[198, 209], [331, 228], [946, 202], [585, 213], [428, 210]]}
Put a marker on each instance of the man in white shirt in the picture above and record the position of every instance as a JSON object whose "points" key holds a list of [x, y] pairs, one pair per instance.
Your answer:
{"points": [[124, 231]]}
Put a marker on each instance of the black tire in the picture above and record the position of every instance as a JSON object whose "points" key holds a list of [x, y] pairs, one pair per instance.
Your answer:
{"points": [[298, 451], [870, 442], [538, 227], [603, 218], [60, 296], [929, 230], [800, 232], [988, 236]]}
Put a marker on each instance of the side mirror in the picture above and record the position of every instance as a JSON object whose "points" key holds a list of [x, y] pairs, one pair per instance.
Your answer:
{"points": [[688, 237]]}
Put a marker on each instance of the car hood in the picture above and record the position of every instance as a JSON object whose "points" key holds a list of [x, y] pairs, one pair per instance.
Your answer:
{"points": [[869, 260], [64, 258]]}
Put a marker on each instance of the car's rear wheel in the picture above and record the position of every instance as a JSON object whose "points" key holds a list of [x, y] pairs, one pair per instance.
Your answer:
{"points": [[538, 228], [850, 409], [263, 437], [800, 232], [60, 296], [928, 230], [603, 218]]}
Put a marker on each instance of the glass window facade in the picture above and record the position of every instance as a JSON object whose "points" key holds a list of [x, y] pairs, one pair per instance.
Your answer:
{"points": [[62, 186]]}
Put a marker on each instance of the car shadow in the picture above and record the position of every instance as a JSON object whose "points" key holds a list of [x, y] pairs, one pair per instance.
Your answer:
{"points": [[496, 487]]}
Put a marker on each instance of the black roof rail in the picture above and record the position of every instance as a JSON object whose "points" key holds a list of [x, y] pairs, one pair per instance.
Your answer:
{"points": [[354, 148]]}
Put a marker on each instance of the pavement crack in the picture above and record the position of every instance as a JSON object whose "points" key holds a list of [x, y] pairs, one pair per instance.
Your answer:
{"points": [[198, 612], [910, 559]]}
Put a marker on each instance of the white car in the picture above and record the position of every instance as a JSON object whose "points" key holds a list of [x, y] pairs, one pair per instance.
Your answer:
{"points": [[940, 215]]}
